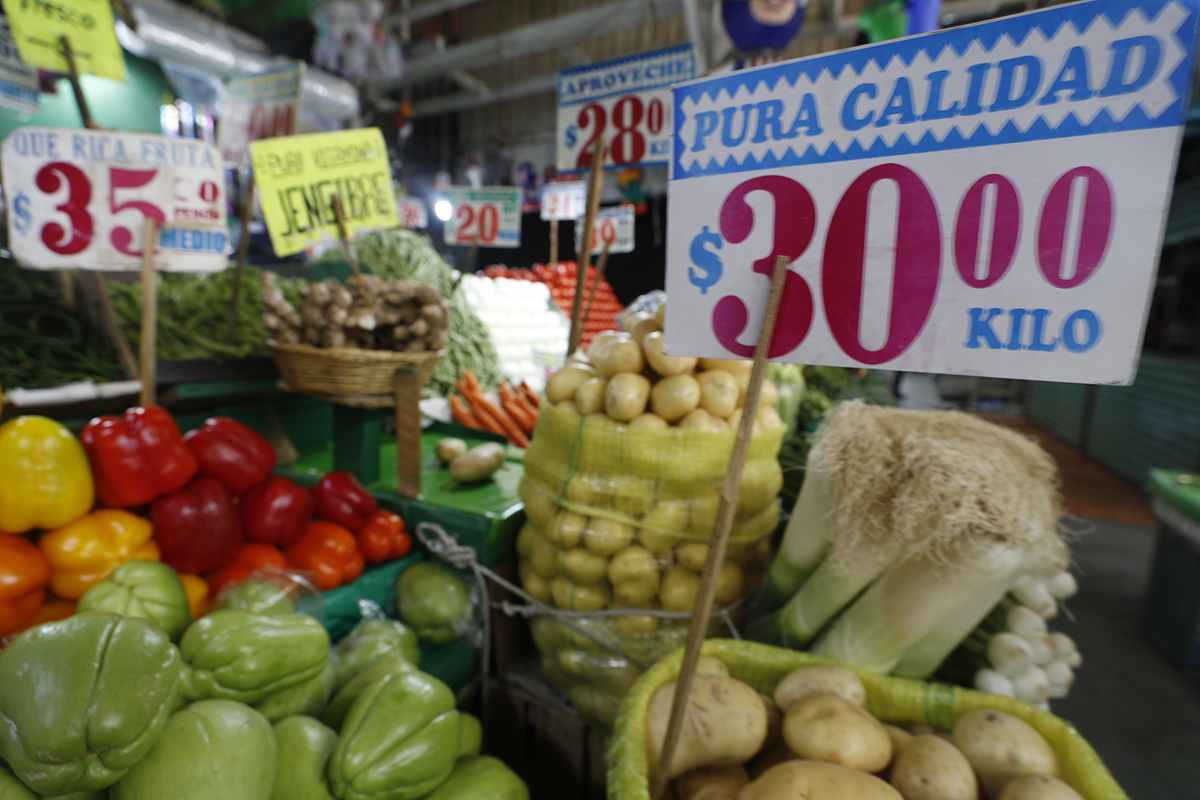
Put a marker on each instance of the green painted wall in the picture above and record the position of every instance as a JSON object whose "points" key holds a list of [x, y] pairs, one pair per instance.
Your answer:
{"points": [[126, 106]]}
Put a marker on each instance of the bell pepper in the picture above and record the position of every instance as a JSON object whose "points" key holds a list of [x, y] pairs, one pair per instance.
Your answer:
{"points": [[329, 551], [399, 741], [304, 748], [307, 698], [232, 655], [197, 527], [24, 573], [84, 700], [434, 602], [144, 589], [235, 455], [47, 481], [481, 778], [90, 549], [276, 511], [342, 499], [383, 538], [250, 557], [137, 457], [196, 589], [213, 748]]}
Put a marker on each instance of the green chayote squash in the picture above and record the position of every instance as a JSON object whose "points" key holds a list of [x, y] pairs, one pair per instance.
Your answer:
{"points": [[145, 589], [343, 699], [371, 640], [304, 748], [308, 698], [211, 749], [434, 601], [257, 597], [481, 778], [12, 788], [232, 655], [84, 699], [471, 738]]}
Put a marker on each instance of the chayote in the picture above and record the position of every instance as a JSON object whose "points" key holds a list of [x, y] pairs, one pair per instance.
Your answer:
{"points": [[304, 748], [12, 788], [481, 778], [211, 749], [233, 655], [471, 738], [335, 712], [371, 640], [435, 602], [308, 698], [399, 741], [257, 597], [84, 699], [145, 589]]}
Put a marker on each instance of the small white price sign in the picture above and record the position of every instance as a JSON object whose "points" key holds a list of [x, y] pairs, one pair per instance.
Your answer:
{"points": [[564, 200], [990, 202], [412, 212], [614, 224], [625, 102], [80, 199], [260, 106], [491, 216]]}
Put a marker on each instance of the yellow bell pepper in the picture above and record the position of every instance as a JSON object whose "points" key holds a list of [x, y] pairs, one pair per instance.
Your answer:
{"points": [[47, 482], [196, 589], [88, 550]]}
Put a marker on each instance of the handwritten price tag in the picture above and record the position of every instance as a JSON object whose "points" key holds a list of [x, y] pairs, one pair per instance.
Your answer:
{"points": [[1007, 221], [491, 214], [80, 199], [412, 213], [614, 224], [261, 106], [39, 25], [565, 200]]}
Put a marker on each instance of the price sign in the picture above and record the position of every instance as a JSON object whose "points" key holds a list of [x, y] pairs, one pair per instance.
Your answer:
{"points": [[974, 207], [412, 213], [627, 102], [298, 176], [18, 80], [260, 106], [493, 214], [564, 200], [80, 199], [613, 224], [39, 25]]}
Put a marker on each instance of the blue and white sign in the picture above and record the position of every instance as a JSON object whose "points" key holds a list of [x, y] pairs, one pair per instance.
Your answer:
{"points": [[18, 80], [626, 102], [988, 200]]}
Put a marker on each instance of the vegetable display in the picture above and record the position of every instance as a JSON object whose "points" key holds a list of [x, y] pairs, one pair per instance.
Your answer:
{"points": [[562, 278], [434, 602], [144, 589], [524, 324], [514, 417], [47, 482], [137, 457]]}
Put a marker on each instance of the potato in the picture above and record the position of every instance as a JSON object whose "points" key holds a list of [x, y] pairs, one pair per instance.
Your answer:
{"points": [[583, 567], [626, 395], [679, 589], [633, 564], [544, 557], [824, 727], [648, 420], [899, 737], [768, 418], [643, 327], [1039, 787], [712, 783], [589, 397], [578, 597], [674, 397], [813, 780], [738, 366], [527, 539], [567, 405], [600, 344], [537, 586], [1002, 748], [774, 721], [719, 392], [477, 464], [604, 537], [540, 508], [730, 583], [662, 363], [709, 665], [619, 354], [724, 724], [668, 513], [562, 384], [566, 529], [930, 768], [770, 755], [735, 419], [704, 513], [661, 544], [692, 555], [629, 321], [449, 449], [636, 592], [660, 315], [635, 626], [701, 420], [820, 679]]}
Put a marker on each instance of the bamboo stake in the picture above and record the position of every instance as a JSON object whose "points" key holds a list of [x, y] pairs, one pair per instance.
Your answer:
{"points": [[149, 316], [351, 253], [587, 312], [584, 258], [408, 432], [108, 318], [243, 246], [468, 264], [720, 539], [554, 241], [73, 77]]}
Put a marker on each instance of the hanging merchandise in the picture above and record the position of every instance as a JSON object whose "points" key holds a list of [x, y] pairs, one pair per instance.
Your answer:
{"points": [[352, 41], [884, 21], [762, 28], [923, 16]]}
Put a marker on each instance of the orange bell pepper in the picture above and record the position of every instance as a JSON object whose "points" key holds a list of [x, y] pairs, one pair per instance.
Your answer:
{"points": [[24, 573], [383, 538], [251, 557], [88, 550], [196, 589], [329, 551]]}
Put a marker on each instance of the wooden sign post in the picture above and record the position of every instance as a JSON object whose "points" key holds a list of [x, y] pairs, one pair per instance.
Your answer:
{"points": [[149, 343], [243, 247], [584, 257]]}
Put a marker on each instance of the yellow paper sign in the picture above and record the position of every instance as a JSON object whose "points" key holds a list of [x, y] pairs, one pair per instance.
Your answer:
{"points": [[298, 176], [39, 25]]}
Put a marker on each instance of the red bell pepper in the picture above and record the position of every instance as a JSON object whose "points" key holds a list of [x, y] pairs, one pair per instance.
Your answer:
{"points": [[251, 558], [276, 511], [328, 551], [342, 499], [232, 453], [197, 528], [137, 457], [383, 538]]}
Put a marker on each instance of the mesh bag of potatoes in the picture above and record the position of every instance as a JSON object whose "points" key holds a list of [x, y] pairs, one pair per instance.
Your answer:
{"points": [[621, 487]]}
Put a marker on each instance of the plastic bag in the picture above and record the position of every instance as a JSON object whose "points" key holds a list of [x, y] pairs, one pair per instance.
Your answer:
{"points": [[274, 590]]}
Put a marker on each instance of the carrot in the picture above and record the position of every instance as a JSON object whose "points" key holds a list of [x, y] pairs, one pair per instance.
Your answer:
{"points": [[530, 411], [508, 402], [529, 395], [462, 414], [489, 422], [485, 408], [469, 379]]}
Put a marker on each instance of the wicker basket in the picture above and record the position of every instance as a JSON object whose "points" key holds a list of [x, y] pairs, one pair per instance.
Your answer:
{"points": [[346, 370]]}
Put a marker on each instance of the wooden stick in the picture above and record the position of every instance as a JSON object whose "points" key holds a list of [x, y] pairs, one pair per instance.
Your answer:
{"points": [[243, 246], [93, 285], [66, 286], [584, 258], [468, 264], [351, 253], [554, 241], [73, 77], [720, 539], [408, 432], [587, 312], [149, 343]]}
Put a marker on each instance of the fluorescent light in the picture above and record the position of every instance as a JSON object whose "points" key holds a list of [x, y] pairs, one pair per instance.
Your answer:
{"points": [[442, 210]]}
